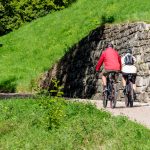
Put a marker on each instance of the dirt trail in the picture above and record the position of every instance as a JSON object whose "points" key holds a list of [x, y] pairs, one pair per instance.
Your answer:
{"points": [[139, 113]]}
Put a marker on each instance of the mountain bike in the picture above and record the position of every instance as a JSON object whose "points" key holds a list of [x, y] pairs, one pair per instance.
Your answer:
{"points": [[110, 94], [129, 92]]}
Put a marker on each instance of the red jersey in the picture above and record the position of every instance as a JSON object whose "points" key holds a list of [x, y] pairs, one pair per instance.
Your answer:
{"points": [[111, 60]]}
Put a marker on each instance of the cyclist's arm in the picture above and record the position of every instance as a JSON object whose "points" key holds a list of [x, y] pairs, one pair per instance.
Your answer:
{"points": [[134, 59], [100, 62], [122, 60]]}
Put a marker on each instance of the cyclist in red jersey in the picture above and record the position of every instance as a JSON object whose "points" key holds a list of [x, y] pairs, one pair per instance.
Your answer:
{"points": [[111, 60]]}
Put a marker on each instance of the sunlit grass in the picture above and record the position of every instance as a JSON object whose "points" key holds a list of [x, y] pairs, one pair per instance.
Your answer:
{"points": [[84, 127], [35, 47]]}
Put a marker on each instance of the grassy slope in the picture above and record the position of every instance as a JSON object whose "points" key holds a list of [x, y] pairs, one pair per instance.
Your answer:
{"points": [[84, 127], [32, 49]]}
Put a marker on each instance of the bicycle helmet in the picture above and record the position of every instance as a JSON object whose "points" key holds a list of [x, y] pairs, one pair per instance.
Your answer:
{"points": [[110, 45], [129, 51]]}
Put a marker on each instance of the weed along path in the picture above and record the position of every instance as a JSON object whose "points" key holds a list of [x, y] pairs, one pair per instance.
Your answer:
{"points": [[140, 113]]}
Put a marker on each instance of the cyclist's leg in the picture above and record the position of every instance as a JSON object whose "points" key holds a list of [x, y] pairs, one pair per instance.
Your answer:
{"points": [[116, 75], [126, 90], [133, 81], [104, 79], [124, 79], [134, 85], [104, 82], [131, 94], [105, 92]]}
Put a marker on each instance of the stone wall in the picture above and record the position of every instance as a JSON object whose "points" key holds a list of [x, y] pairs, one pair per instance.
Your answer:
{"points": [[76, 70]]}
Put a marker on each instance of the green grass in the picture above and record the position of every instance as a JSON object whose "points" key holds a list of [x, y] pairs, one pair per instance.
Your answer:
{"points": [[35, 47], [84, 127]]}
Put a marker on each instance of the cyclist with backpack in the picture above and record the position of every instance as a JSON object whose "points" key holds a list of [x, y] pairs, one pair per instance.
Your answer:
{"points": [[112, 63], [128, 67]]}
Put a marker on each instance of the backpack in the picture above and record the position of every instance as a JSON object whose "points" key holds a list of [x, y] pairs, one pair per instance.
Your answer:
{"points": [[128, 59]]}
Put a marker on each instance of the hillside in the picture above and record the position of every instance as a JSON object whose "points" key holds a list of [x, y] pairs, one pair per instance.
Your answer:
{"points": [[35, 47]]}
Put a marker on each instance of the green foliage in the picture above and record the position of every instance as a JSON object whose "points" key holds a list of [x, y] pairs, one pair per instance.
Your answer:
{"points": [[35, 47], [8, 86], [65, 2], [14, 13], [35, 88], [56, 89], [54, 110], [51, 103], [107, 19], [54, 107], [81, 127]]}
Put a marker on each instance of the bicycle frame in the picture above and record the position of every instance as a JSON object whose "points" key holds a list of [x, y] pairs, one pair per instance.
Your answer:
{"points": [[111, 93]]}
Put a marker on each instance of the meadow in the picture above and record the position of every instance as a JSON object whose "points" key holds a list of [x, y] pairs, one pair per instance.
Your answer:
{"points": [[31, 50], [81, 126]]}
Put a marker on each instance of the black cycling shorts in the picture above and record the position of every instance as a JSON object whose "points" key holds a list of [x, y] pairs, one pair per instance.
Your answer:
{"points": [[106, 72], [125, 75]]}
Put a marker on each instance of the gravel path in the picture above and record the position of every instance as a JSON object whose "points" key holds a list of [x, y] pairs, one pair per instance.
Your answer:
{"points": [[139, 113]]}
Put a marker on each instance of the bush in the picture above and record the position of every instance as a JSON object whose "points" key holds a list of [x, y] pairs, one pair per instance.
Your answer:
{"points": [[54, 111], [53, 106], [14, 13], [8, 86]]}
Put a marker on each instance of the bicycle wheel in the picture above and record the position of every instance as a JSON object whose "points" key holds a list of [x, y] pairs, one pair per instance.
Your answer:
{"points": [[126, 96], [126, 100], [105, 100], [131, 94], [114, 96], [130, 101]]}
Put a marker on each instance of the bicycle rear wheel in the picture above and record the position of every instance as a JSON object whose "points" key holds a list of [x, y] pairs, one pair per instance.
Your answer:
{"points": [[114, 96], [105, 100], [126, 96], [126, 100], [131, 94], [130, 101]]}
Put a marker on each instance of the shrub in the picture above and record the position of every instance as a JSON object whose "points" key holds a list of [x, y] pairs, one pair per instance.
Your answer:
{"points": [[56, 88], [8, 86], [14, 13], [52, 104], [54, 111]]}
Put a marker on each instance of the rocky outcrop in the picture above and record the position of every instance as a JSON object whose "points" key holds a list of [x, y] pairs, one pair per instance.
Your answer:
{"points": [[76, 70]]}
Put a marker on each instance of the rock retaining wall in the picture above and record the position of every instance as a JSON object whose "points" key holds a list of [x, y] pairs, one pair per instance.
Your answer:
{"points": [[76, 70]]}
